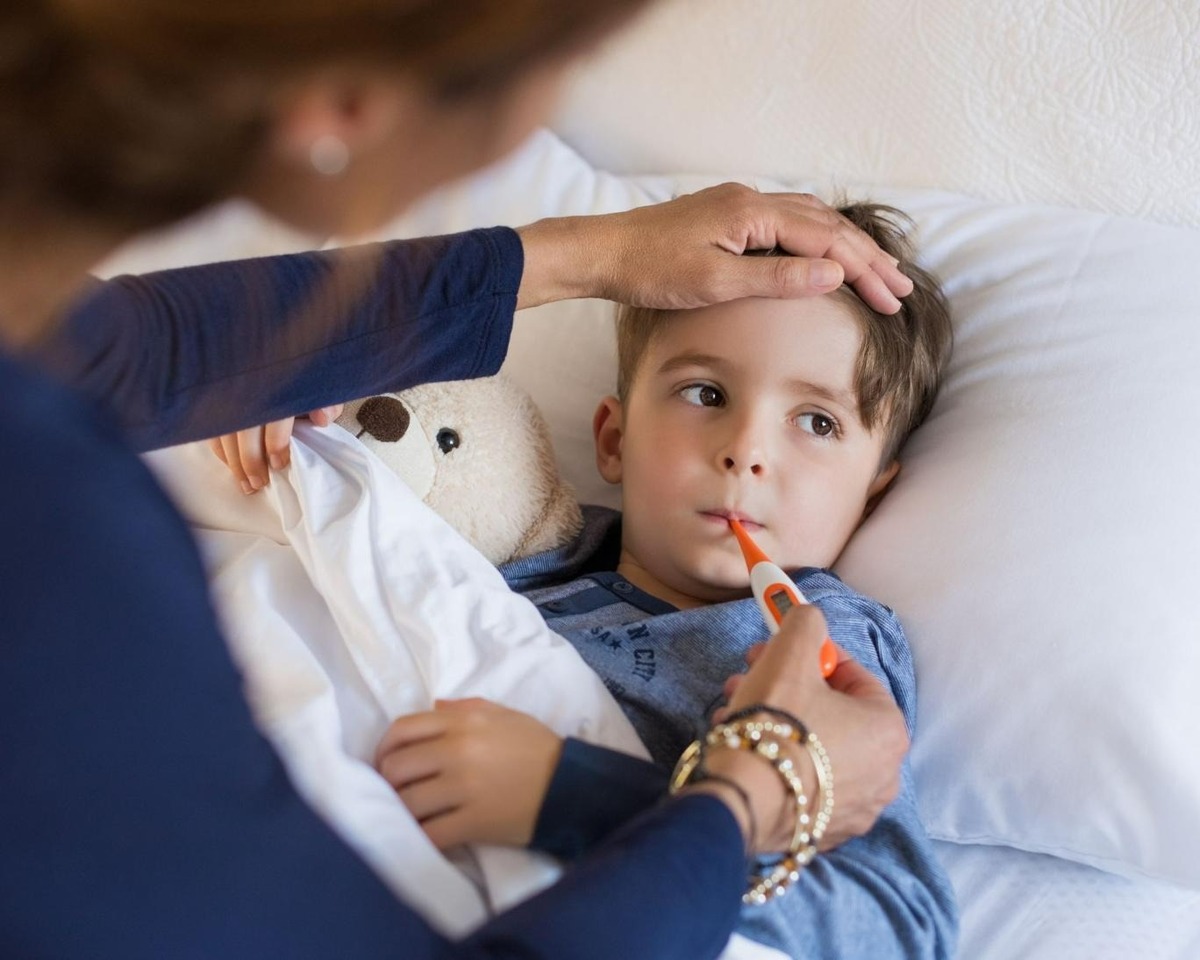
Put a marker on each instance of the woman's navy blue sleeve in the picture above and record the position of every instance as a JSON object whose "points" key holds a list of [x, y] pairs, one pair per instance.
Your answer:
{"points": [[195, 352], [594, 791], [655, 878]]}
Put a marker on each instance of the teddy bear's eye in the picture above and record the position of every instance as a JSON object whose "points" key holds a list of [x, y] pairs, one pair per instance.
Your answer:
{"points": [[447, 439]]}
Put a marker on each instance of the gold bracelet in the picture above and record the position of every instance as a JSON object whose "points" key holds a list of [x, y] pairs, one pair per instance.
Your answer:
{"points": [[752, 731], [776, 881], [764, 739], [824, 798]]}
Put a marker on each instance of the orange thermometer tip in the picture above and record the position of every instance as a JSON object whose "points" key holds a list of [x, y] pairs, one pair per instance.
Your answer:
{"points": [[750, 550]]}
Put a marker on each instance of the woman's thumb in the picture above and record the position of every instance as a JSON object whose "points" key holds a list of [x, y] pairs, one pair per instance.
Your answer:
{"points": [[787, 276]]}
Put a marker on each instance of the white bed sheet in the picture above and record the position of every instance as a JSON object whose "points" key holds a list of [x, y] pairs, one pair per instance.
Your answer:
{"points": [[1027, 906]]}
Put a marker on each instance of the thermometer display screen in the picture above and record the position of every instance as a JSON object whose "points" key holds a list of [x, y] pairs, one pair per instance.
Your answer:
{"points": [[781, 601]]}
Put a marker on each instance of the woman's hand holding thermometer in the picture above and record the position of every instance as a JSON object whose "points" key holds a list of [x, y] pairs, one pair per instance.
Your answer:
{"points": [[775, 592]]}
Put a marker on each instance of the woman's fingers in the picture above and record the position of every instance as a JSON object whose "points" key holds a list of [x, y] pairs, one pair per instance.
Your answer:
{"points": [[859, 724], [821, 241], [787, 667], [413, 764], [754, 652], [438, 730], [855, 680], [479, 769], [687, 252]]}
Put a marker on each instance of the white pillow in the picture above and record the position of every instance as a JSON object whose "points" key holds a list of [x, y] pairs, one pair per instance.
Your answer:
{"points": [[1042, 544]]}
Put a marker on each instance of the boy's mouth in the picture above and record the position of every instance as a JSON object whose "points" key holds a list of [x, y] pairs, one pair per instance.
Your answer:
{"points": [[724, 516]]}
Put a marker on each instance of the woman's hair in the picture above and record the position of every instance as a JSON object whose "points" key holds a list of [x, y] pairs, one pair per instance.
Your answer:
{"points": [[136, 112], [902, 356]]}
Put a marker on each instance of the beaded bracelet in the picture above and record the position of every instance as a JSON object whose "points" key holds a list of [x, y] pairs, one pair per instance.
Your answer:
{"points": [[753, 735], [816, 751], [760, 738], [810, 828], [781, 715], [773, 880], [824, 798]]}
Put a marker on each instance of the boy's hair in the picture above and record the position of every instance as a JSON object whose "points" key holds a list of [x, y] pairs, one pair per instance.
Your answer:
{"points": [[902, 357]]}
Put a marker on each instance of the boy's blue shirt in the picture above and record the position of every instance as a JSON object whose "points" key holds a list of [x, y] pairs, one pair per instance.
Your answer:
{"points": [[883, 895]]}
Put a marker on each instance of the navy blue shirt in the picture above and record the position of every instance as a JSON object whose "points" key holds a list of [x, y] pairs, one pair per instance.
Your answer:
{"points": [[141, 812]]}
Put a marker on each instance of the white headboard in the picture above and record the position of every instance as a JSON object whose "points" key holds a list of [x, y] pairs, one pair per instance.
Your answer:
{"points": [[1083, 103]]}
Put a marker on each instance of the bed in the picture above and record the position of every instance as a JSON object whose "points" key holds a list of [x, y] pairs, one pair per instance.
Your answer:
{"points": [[1043, 542]]}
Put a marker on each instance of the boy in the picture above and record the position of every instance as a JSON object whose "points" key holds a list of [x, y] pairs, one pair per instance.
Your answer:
{"points": [[789, 416]]}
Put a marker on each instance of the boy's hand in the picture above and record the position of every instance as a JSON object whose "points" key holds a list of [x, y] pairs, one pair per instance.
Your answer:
{"points": [[470, 771], [247, 453]]}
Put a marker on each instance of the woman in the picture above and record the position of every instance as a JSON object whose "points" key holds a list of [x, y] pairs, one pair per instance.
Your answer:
{"points": [[142, 813]]}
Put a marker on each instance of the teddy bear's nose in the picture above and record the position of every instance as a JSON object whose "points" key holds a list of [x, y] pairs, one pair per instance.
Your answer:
{"points": [[384, 418]]}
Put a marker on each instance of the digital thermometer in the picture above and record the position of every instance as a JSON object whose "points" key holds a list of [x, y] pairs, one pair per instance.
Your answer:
{"points": [[775, 592]]}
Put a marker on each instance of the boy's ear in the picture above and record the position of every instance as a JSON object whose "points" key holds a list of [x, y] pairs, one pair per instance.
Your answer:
{"points": [[607, 432], [879, 486]]}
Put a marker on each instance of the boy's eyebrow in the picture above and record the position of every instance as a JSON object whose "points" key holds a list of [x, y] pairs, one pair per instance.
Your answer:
{"points": [[691, 360], [844, 398]]}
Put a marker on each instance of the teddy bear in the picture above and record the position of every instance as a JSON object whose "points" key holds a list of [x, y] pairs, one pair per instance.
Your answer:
{"points": [[479, 453]]}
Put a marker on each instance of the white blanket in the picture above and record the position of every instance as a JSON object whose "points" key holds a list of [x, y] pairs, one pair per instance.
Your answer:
{"points": [[347, 603]]}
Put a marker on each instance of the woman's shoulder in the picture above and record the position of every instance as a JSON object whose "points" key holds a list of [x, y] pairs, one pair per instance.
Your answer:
{"points": [[44, 421], [78, 508]]}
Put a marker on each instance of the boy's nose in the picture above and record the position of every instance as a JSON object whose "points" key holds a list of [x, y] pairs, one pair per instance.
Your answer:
{"points": [[749, 464], [741, 449]]}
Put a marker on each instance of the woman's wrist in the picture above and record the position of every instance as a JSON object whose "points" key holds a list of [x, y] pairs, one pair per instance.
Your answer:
{"points": [[773, 810], [737, 799], [717, 764], [563, 260], [770, 788]]}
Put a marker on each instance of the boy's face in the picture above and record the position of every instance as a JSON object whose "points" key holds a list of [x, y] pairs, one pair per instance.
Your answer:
{"points": [[743, 409]]}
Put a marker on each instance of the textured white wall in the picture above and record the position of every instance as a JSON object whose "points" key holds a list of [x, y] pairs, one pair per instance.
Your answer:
{"points": [[1086, 103]]}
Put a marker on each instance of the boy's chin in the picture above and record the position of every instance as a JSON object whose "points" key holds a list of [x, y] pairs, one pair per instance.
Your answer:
{"points": [[720, 586]]}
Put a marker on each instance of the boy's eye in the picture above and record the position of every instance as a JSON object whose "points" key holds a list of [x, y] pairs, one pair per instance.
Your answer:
{"points": [[818, 424], [703, 395]]}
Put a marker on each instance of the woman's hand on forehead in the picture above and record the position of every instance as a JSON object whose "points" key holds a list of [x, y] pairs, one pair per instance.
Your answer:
{"points": [[687, 252]]}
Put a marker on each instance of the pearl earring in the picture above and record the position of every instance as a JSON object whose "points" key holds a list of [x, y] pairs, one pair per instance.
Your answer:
{"points": [[329, 155]]}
